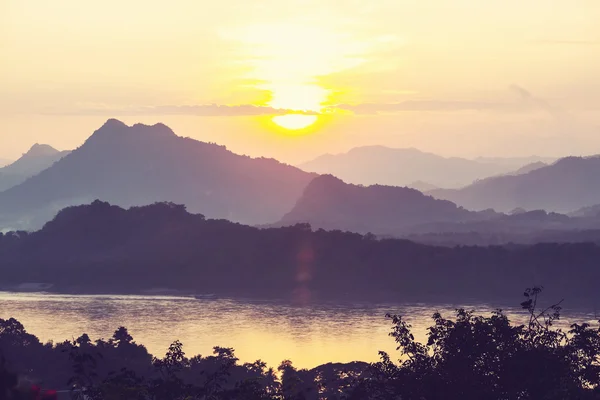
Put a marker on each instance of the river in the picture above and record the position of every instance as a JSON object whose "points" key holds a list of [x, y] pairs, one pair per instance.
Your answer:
{"points": [[309, 335]]}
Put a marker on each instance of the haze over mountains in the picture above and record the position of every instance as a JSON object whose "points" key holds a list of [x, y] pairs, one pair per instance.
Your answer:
{"points": [[403, 167], [566, 185], [38, 158], [329, 203], [138, 165], [142, 164]]}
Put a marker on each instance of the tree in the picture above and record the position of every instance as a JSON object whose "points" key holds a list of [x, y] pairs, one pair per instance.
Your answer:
{"points": [[477, 357], [121, 337]]}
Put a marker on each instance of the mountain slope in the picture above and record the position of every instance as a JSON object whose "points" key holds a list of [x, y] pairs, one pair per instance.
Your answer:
{"points": [[566, 185], [142, 164], [529, 167], [401, 167], [329, 203], [37, 159]]}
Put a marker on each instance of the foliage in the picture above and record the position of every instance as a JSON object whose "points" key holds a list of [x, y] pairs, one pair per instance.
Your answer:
{"points": [[478, 357]]}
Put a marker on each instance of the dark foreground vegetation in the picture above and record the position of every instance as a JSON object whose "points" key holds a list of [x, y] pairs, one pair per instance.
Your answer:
{"points": [[467, 357], [103, 248]]}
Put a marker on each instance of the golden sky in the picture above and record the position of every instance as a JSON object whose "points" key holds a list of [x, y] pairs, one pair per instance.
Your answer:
{"points": [[456, 77]]}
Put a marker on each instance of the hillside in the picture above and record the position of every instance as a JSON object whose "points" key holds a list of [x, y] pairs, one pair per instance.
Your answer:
{"points": [[140, 164], [568, 184], [330, 203], [38, 158], [104, 248], [371, 165]]}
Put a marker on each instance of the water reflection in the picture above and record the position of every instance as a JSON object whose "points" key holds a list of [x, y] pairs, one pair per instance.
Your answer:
{"points": [[272, 331]]}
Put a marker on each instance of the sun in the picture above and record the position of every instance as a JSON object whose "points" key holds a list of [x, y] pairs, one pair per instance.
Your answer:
{"points": [[294, 122], [288, 60], [299, 99]]}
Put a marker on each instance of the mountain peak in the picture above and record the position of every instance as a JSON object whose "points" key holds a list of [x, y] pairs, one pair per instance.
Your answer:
{"points": [[113, 129], [325, 182], [158, 129], [142, 164], [113, 123], [329, 203], [41, 150]]}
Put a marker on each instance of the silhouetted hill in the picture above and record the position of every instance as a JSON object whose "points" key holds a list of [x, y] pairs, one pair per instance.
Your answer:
{"points": [[569, 184], [142, 164], [400, 167], [4, 162], [104, 248], [37, 159], [329, 203]]}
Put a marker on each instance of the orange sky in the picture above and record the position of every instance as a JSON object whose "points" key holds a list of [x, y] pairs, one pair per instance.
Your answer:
{"points": [[457, 77]]}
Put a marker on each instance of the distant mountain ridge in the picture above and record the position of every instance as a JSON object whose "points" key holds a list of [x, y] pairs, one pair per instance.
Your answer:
{"points": [[371, 165], [568, 184], [140, 164], [35, 160], [388, 211]]}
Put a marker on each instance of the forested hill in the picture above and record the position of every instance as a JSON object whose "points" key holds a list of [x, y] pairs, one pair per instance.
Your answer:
{"points": [[104, 248]]}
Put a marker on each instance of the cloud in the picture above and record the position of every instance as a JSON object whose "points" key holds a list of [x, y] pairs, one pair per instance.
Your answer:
{"points": [[424, 105], [208, 110], [527, 102]]}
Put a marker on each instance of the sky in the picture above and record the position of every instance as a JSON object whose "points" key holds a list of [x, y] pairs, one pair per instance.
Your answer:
{"points": [[294, 79]]}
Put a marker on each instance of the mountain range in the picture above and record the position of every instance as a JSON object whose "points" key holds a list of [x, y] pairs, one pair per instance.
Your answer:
{"points": [[371, 165], [331, 204], [140, 164], [566, 185], [38, 158]]}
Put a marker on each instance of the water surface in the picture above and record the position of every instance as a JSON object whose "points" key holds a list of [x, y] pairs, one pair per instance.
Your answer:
{"points": [[309, 335]]}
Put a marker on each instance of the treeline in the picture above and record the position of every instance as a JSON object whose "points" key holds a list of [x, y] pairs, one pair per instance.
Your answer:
{"points": [[119, 368], [482, 238], [466, 357], [104, 248]]}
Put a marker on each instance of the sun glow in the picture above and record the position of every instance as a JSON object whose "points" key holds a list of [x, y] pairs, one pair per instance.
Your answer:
{"points": [[297, 97], [288, 60], [294, 121]]}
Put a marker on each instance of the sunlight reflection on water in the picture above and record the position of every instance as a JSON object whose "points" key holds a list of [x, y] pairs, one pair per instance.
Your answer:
{"points": [[272, 331]]}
